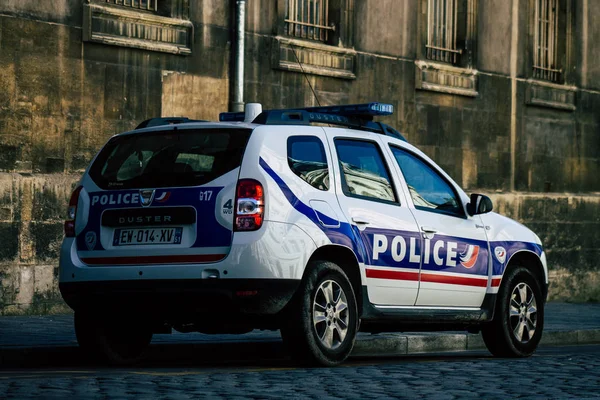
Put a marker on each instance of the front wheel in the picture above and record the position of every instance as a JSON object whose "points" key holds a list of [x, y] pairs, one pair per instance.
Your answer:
{"points": [[323, 317], [519, 316]]}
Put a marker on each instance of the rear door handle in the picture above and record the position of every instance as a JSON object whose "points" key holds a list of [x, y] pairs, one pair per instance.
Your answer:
{"points": [[360, 221]]}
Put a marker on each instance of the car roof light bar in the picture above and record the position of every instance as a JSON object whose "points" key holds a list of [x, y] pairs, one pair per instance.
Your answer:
{"points": [[364, 111], [357, 116]]}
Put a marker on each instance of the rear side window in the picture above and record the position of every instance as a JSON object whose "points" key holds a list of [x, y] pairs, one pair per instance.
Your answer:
{"points": [[306, 158], [364, 172], [171, 158]]}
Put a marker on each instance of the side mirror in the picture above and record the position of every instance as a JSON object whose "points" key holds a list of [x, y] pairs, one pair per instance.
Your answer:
{"points": [[480, 204]]}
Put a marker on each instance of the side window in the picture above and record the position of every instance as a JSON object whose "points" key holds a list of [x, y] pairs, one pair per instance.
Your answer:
{"points": [[363, 170], [306, 158], [429, 191]]}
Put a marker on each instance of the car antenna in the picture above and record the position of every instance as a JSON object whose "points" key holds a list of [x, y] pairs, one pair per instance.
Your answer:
{"points": [[305, 75]]}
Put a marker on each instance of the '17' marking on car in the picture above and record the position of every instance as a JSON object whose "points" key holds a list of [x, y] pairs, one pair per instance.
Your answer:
{"points": [[205, 195]]}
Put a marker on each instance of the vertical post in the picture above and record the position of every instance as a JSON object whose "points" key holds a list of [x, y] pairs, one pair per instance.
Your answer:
{"points": [[536, 39], [545, 38], [237, 104], [454, 27], [555, 49], [583, 45], [429, 28], [316, 20], [291, 15], [514, 55]]}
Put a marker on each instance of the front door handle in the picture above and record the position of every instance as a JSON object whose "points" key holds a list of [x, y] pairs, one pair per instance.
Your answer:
{"points": [[428, 232], [359, 220]]}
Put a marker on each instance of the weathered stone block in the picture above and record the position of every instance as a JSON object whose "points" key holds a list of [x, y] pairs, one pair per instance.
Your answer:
{"points": [[8, 157], [9, 241], [25, 287], [47, 238], [5, 213], [54, 165], [44, 281]]}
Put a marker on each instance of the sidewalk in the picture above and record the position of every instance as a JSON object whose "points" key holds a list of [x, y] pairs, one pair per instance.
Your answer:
{"points": [[40, 337]]}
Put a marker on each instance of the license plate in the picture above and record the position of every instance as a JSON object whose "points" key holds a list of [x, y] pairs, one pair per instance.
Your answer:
{"points": [[130, 237]]}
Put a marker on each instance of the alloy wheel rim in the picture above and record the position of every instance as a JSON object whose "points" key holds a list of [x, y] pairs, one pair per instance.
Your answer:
{"points": [[330, 314], [523, 313]]}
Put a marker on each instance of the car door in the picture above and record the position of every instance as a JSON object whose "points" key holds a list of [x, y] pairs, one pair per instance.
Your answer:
{"points": [[378, 213], [455, 257]]}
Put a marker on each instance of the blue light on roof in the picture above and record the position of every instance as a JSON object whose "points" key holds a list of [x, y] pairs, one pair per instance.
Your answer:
{"points": [[232, 117], [357, 110]]}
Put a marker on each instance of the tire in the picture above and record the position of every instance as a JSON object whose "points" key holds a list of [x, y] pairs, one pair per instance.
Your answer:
{"points": [[118, 341], [322, 319], [516, 329]]}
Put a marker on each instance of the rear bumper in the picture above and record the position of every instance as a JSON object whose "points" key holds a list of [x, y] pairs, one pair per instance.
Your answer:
{"points": [[181, 298]]}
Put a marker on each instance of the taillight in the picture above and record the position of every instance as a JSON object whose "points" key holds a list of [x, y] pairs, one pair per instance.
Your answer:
{"points": [[249, 205], [72, 213]]}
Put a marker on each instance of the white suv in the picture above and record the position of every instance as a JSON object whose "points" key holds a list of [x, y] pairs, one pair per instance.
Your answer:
{"points": [[319, 222]]}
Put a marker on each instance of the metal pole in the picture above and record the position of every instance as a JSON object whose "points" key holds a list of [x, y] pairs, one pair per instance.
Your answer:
{"points": [[237, 104]]}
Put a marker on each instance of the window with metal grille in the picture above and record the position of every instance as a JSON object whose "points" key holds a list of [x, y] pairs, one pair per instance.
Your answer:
{"points": [[442, 23], [308, 19], [148, 5], [546, 39]]}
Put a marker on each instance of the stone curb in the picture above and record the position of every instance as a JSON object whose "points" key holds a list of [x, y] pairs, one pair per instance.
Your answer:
{"points": [[393, 345], [209, 352]]}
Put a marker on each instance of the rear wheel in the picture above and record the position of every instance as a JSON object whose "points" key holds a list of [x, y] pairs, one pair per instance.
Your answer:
{"points": [[323, 317], [519, 316], [119, 341]]}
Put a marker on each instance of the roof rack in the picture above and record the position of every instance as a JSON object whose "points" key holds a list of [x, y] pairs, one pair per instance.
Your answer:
{"points": [[165, 121], [357, 116]]}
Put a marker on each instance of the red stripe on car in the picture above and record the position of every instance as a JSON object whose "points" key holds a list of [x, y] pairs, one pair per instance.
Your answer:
{"points": [[183, 259]]}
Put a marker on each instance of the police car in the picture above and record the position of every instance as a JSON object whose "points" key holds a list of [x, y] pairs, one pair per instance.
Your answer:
{"points": [[319, 222]]}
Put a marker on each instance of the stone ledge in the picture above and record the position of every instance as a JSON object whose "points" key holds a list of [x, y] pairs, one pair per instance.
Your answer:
{"points": [[446, 79], [129, 28], [551, 95], [316, 58]]}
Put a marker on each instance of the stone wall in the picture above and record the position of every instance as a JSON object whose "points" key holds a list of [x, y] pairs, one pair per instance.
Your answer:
{"points": [[32, 210], [64, 92], [569, 227]]}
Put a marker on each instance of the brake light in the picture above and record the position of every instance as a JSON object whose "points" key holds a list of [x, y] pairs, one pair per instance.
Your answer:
{"points": [[249, 205], [72, 213]]}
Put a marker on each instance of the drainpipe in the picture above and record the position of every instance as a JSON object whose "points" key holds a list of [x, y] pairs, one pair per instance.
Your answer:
{"points": [[237, 103]]}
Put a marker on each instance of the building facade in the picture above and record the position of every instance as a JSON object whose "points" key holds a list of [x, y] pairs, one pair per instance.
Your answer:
{"points": [[504, 95]]}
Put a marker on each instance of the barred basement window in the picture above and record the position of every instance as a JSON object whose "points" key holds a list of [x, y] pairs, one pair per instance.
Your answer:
{"points": [[442, 24], [308, 19], [546, 40], [154, 25], [149, 5]]}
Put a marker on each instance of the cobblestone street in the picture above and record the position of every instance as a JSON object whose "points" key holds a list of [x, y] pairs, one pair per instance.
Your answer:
{"points": [[567, 372]]}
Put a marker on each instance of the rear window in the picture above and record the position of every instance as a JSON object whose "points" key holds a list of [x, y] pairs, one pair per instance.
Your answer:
{"points": [[172, 158]]}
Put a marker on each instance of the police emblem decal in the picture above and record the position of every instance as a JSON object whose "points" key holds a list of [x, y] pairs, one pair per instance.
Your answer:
{"points": [[146, 197], [90, 240], [500, 253]]}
